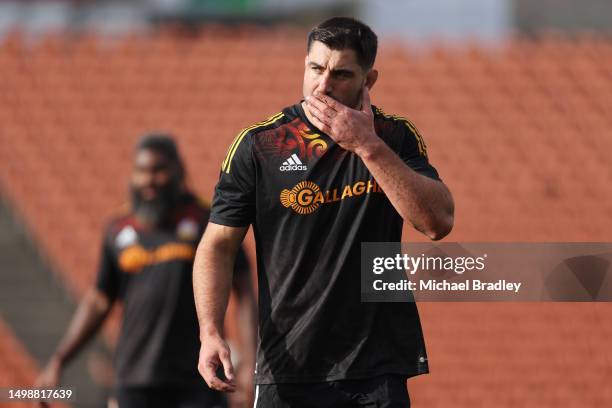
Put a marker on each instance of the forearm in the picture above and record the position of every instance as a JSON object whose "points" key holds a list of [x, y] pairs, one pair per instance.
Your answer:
{"points": [[87, 319], [425, 202], [212, 279]]}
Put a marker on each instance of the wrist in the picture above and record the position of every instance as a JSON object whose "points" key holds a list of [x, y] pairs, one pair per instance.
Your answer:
{"points": [[210, 330], [57, 360], [370, 149]]}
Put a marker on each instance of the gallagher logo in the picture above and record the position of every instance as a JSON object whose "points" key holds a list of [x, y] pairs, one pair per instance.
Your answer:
{"points": [[306, 196], [293, 163]]}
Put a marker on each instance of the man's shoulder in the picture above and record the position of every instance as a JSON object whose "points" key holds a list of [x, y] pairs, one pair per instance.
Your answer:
{"points": [[243, 142], [397, 127], [278, 119], [120, 214], [120, 222], [383, 116], [196, 207]]}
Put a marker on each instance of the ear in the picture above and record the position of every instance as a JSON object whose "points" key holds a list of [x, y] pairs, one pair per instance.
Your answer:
{"points": [[371, 78], [306, 60]]}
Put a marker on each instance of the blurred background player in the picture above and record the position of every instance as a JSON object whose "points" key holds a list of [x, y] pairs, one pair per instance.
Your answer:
{"points": [[146, 261]]}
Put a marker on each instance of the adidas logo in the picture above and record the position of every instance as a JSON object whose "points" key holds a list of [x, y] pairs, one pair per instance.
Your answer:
{"points": [[293, 163]]}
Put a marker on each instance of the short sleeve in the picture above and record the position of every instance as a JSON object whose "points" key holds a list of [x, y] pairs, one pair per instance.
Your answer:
{"points": [[412, 149], [109, 276], [234, 198]]}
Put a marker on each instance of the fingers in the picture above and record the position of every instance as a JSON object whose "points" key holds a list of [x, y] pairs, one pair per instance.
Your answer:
{"points": [[210, 376], [323, 111], [210, 358], [322, 126], [330, 102], [45, 380], [321, 119], [228, 368], [366, 105], [218, 384]]}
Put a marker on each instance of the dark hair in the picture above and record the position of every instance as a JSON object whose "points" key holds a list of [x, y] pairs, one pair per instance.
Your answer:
{"points": [[164, 144], [340, 33]]}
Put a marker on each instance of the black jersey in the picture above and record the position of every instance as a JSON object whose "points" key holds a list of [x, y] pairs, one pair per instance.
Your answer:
{"points": [[150, 270], [311, 204]]}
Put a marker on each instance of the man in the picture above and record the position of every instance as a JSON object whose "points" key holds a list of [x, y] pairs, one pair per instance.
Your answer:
{"points": [[316, 180], [147, 258]]}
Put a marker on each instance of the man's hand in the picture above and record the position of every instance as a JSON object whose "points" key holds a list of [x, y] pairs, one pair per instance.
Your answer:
{"points": [[50, 377], [212, 278], [213, 352], [352, 129]]}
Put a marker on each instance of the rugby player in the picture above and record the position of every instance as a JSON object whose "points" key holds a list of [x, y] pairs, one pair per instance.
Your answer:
{"points": [[316, 180], [146, 261]]}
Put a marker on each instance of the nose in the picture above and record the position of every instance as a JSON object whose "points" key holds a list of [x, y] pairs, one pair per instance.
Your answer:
{"points": [[324, 85], [147, 179]]}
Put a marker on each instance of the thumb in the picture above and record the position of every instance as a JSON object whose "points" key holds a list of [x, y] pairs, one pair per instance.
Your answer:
{"points": [[228, 368], [366, 105]]}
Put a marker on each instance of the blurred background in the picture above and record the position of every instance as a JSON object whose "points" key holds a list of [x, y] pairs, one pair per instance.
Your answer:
{"points": [[511, 96]]}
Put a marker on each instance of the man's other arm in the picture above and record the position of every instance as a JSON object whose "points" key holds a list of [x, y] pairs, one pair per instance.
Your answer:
{"points": [[425, 202], [91, 312], [212, 281]]}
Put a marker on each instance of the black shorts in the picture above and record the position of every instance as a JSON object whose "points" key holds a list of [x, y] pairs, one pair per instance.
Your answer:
{"points": [[388, 391], [169, 397]]}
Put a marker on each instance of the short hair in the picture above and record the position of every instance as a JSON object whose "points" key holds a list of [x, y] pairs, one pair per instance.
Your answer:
{"points": [[340, 33], [163, 143]]}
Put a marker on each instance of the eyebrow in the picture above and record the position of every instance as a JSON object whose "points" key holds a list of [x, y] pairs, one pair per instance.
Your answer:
{"points": [[335, 71]]}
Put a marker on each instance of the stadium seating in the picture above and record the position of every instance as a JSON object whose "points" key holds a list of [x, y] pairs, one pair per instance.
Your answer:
{"points": [[521, 134], [17, 368]]}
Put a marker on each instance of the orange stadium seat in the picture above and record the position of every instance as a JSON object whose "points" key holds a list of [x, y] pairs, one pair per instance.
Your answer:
{"points": [[17, 367], [521, 135]]}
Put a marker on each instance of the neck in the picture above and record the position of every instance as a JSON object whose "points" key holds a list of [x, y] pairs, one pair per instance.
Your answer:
{"points": [[146, 220]]}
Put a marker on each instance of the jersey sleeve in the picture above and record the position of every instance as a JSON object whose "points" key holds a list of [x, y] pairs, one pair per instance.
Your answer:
{"points": [[234, 198], [109, 276], [412, 149]]}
